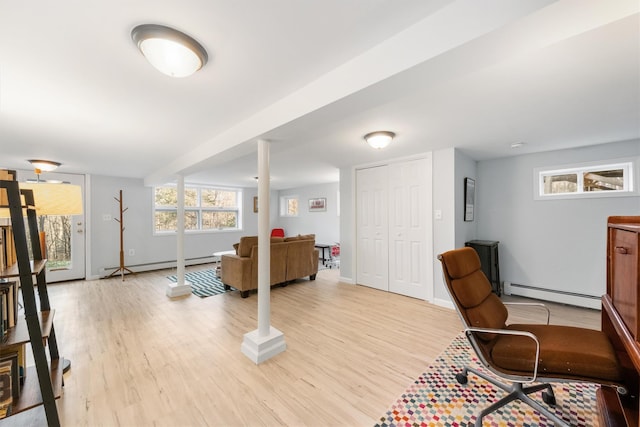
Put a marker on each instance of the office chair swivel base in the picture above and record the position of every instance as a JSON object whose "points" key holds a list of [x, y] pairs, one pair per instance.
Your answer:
{"points": [[516, 391]]}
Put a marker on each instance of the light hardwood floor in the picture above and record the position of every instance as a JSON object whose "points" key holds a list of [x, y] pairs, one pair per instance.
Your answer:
{"points": [[142, 359]]}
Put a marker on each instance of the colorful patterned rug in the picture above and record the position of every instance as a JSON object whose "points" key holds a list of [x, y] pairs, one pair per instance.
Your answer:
{"points": [[436, 398], [204, 283]]}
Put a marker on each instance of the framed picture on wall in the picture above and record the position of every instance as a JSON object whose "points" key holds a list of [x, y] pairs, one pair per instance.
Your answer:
{"points": [[469, 198], [318, 205]]}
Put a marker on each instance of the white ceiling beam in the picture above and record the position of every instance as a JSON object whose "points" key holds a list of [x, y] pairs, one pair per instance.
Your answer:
{"points": [[452, 26]]}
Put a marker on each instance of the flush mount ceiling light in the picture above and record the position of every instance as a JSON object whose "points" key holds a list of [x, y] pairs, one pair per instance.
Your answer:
{"points": [[379, 139], [44, 165], [170, 51]]}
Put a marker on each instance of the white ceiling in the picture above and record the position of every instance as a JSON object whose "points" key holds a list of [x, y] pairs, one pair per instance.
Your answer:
{"points": [[312, 78]]}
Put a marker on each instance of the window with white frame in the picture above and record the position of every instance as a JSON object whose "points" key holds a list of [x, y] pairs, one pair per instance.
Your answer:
{"points": [[289, 206], [205, 208], [588, 180]]}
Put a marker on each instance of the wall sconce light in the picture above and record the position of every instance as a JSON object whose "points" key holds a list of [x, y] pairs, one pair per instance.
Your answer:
{"points": [[170, 51], [379, 139]]}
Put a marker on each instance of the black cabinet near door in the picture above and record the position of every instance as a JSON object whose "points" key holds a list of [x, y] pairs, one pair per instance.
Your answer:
{"points": [[488, 252]]}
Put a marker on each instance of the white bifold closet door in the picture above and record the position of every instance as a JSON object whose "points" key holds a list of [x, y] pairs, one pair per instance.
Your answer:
{"points": [[372, 233], [409, 222], [394, 227]]}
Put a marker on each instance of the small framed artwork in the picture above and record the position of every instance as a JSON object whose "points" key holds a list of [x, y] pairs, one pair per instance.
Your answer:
{"points": [[469, 198], [255, 204], [318, 205]]}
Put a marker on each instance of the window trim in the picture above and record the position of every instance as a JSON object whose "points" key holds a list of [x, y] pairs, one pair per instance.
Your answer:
{"points": [[627, 164], [199, 209]]}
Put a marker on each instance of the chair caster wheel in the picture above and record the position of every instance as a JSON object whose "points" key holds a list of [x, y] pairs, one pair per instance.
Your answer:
{"points": [[548, 398], [461, 378]]}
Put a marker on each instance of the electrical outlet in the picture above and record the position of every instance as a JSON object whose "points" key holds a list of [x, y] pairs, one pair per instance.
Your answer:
{"points": [[132, 252], [106, 217]]}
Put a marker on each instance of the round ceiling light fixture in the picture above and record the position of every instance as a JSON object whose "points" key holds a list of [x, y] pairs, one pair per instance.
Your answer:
{"points": [[44, 165], [379, 139], [170, 51]]}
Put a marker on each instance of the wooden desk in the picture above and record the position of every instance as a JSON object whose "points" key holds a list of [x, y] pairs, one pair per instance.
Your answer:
{"points": [[323, 248]]}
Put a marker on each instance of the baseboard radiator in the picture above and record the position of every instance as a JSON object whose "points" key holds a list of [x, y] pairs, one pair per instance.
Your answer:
{"points": [[563, 297], [160, 265]]}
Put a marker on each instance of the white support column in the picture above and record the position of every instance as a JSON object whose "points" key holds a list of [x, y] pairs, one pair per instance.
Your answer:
{"points": [[181, 287], [266, 341], [264, 241]]}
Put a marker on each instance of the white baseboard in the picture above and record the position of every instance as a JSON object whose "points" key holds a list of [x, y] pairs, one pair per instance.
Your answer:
{"points": [[444, 303], [139, 268], [553, 296], [348, 280]]}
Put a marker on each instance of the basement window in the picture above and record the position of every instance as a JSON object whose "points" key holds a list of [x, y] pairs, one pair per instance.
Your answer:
{"points": [[589, 180], [205, 209]]}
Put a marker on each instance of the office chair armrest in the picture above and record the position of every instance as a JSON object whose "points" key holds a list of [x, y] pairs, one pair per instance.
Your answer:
{"points": [[532, 304], [509, 332]]}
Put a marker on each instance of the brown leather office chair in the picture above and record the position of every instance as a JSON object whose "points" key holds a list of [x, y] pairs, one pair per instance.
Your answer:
{"points": [[522, 353]]}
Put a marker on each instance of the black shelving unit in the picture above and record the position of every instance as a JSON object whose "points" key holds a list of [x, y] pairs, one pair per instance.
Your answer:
{"points": [[44, 385], [488, 252]]}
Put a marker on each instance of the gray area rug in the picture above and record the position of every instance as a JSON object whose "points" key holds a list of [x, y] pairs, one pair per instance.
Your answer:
{"points": [[204, 283]]}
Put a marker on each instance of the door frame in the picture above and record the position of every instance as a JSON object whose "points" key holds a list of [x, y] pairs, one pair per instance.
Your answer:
{"points": [[80, 255]]}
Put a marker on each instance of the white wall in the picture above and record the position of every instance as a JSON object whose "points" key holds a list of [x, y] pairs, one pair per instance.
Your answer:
{"points": [[347, 231], [104, 240], [465, 167], [325, 225], [444, 201], [551, 244], [450, 168]]}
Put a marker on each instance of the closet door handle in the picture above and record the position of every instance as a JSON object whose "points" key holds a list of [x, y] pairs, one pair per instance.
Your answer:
{"points": [[621, 250]]}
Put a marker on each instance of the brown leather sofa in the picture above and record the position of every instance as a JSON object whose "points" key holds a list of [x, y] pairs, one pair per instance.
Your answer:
{"points": [[291, 258]]}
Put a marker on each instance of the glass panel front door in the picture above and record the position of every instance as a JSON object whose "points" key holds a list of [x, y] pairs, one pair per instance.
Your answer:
{"points": [[64, 239], [57, 231]]}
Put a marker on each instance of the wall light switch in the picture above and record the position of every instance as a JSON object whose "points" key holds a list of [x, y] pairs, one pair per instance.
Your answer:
{"points": [[437, 214]]}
